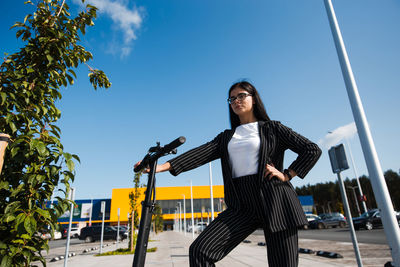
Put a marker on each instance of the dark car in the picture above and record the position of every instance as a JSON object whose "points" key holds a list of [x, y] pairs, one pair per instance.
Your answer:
{"points": [[328, 220], [93, 233], [370, 219]]}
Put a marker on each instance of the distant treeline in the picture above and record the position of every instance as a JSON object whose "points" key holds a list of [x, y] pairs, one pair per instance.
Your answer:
{"points": [[327, 197]]}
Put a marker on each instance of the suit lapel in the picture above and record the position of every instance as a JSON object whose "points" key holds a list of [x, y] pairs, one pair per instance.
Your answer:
{"points": [[266, 144], [261, 155]]}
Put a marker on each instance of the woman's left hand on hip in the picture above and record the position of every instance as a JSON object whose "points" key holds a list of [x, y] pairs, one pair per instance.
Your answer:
{"points": [[271, 171]]}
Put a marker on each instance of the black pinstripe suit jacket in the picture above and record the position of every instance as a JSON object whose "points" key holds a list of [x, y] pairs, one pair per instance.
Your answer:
{"points": [[282, 208]]}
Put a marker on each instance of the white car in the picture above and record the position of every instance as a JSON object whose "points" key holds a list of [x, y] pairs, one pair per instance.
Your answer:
{"points": [[57, 235], [75, 232], [311, 217], [198, 228]]}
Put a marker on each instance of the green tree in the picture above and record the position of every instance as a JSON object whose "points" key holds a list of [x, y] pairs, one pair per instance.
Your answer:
{"points": [[133, 203], [35, 162], [157, 218], [393, 183]]}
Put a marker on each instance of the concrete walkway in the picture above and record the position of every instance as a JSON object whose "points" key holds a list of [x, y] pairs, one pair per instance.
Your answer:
{"points": [[173, 247]]}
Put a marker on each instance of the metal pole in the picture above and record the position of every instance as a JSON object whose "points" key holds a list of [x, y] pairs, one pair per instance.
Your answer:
{"points": [[175, 221], [91, 208], [356, 175], [349, 220], [103, 211], [133, 228], [191, 205], [180, 216], [184, 214], [71, 213], [211, 194], [355, 198], [379, 186], [118, 230]]}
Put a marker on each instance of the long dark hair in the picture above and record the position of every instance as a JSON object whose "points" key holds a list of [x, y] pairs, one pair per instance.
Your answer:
{"points": [[259, 109]]}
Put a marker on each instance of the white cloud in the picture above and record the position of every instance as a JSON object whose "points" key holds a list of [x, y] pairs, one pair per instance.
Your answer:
{"points": [[335, 136], [124, 19]]}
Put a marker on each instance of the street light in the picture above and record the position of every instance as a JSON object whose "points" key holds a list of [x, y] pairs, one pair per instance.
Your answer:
{"points": [[355, 198], [184, 213], [180, 216]]}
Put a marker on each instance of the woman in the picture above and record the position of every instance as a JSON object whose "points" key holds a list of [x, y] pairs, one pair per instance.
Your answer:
{"points": [[258, 192]]}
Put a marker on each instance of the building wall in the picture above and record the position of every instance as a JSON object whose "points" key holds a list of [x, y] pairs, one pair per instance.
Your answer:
{"points": [[169, 196]]}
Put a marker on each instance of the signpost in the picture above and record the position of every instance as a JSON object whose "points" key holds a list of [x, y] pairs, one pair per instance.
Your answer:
{"points": [[71, 212], [338, 160], [118, 230], [103, 211]]}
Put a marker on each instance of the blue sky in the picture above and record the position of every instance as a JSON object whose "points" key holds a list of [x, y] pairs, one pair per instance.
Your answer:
{"points": [[171, 64]]}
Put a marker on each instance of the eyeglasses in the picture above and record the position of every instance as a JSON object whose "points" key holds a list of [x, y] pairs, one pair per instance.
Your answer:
{"points": [[239, 97]]}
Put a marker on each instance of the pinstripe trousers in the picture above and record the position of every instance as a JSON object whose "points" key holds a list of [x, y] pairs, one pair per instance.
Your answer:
{"points": [[233, 225]]}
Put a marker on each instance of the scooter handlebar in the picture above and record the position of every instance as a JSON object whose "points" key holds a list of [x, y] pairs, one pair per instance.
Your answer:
{"points": [[164, 150]]}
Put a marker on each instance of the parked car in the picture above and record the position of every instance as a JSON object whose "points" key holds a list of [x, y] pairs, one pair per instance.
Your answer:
{"points": [[370, 219], [75, 231], [93, 233], [328, 220], [312, 217], [46, 234], [334, 214]]}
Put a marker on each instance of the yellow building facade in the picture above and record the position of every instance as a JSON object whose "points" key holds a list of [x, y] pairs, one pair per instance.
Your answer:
{"points": [[168, 198]]}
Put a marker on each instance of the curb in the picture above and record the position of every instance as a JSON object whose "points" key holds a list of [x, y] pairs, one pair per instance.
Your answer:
{"points": [[62, 257], [96, 248], [327, 254], [306, 251], [90, 249]]}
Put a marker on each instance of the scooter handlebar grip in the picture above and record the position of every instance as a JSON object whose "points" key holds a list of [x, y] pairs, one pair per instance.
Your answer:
{"points": [[174, 144]]}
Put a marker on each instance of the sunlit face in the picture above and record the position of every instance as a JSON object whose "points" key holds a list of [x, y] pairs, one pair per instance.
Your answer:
{"points": [[244, 106]]}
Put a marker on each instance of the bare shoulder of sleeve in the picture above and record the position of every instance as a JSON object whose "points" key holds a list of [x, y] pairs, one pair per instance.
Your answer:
{"points": [[307, 151], [197, 156]]}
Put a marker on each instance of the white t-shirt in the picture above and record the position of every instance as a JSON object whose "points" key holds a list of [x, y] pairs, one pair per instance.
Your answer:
{"points": [[243, 150]]}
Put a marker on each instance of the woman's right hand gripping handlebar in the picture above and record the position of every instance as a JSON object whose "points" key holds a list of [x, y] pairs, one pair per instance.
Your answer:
{"points": [[160, 167]]}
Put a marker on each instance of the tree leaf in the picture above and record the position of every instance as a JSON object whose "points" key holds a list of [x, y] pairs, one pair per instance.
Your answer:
{"points": [[30, 224], [6, 261], [12, 126], [70, 165], [77, 158], [44, 213], [3, 97], [41, 148], [14, 151], [25, 236], [49, 58]]}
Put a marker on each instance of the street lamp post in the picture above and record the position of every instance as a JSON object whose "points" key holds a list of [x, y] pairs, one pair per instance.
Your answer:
{"points": [[356, 175], [211, 194], [184, 213], [355, 198], [191, 205], [180, 215]]}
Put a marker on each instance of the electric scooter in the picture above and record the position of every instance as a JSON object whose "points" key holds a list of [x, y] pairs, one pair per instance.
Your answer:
{"points": [[150, 160]]}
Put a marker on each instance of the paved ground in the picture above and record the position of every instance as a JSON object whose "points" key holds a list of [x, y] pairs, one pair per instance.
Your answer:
{"points": [[172, 251]]}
